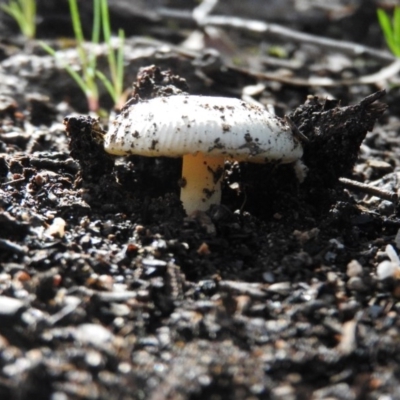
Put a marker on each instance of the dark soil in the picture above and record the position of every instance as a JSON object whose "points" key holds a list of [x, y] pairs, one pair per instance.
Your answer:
{"points": [[285, 291]]}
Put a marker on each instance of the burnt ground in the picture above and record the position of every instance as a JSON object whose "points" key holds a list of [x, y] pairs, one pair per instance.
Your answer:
{"points": [[286, 291]]}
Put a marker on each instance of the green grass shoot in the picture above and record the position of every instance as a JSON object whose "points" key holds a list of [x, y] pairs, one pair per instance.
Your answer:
{"points": [[391, 29], [87, 78], [24, 13]]}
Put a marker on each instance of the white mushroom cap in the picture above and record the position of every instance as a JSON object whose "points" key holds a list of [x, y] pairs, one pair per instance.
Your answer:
{"points": [[215, 126], [204, 131]]}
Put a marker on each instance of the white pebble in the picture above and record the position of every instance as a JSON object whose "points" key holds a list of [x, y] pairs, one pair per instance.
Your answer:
{"points": [[354, 268], [387, 269]]}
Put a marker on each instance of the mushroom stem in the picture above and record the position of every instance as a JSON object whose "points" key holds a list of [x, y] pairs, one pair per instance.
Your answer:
{"points": [[201, 181]]}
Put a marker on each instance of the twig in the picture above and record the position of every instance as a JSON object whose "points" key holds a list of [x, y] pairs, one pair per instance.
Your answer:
{"points": [[13, 182], [295, 130], [12, 247], [385, 73], [371, 190], [203, 10], [268, 29], [293, 35]]}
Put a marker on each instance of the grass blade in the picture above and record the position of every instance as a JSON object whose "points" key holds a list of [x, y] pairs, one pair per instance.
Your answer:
{"points": [[385, 23], [396, 27], [95, 34], [89, 89], [24, 14], [107, 38], [388, 31], [108, 85], [73, 73], [119, 84], [77, 26]]}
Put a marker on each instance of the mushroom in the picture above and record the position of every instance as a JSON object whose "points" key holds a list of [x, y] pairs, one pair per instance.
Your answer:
{"points": [[205, 131]]}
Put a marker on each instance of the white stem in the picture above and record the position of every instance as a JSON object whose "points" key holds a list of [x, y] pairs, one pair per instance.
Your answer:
{"points": [[201, 181]]}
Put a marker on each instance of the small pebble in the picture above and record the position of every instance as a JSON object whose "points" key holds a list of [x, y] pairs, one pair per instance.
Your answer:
{"points": [[282, 288], [354, 268], [356, 283], [93, 334], [269, 277], [9, 307], [152, 262], [387, 269], [57, 228], [339, 391]]}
